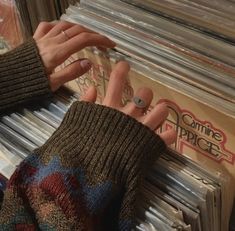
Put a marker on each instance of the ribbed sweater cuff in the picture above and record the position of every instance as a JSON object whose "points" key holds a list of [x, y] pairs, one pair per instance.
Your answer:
{"points": [[103, 141], [22, 76]]}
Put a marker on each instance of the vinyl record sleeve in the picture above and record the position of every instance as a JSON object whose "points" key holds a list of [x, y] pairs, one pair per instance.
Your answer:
{"points": [[202, 134], [217, 19], [183, 66], [9, 18]]}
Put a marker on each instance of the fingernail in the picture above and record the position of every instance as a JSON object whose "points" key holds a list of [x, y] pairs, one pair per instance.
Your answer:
{"points": [[85, 64]]}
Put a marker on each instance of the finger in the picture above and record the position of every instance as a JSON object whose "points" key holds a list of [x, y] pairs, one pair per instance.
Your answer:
{"points": [[69, 73], [71, 32], [90, 95], [103, 49], [83, 40], [140, 102], [169, 136], [113, 97], [60, 26], [156, 116], [42, 29]]}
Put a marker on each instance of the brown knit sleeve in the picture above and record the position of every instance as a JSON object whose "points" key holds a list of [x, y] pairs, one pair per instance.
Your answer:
{"points": [[22, 76], [108, 146], [85, 177]]}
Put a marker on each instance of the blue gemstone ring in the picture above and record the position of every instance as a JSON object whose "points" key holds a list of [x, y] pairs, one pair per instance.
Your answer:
{"points": [[139, 103]]}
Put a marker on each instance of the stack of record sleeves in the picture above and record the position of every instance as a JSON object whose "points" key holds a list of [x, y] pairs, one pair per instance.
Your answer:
{"points": [[23, 131], [9, 18], [193, 58], [196, 60], [32, 12], [214, 17], [176, 194], [187, 47]]}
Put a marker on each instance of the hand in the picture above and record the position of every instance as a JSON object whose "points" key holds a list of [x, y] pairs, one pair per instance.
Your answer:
{"points": [[113, 99], [58, 41]]}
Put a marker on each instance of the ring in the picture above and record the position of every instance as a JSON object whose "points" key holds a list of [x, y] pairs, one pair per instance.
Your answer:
{"points": [[139, 103], [65, 34]]}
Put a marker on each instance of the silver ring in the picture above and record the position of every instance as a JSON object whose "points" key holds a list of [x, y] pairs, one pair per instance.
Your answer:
{"points": [[139, 103], [65, 34]]}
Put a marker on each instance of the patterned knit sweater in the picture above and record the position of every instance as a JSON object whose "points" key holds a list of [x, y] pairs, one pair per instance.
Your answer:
{"points": [[87, 175]]}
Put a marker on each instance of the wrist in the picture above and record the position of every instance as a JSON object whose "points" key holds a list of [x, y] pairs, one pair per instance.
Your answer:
{"points": [[103, 141]]}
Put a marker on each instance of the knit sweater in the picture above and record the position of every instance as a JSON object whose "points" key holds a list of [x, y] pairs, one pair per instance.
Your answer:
{"points": [[88, 174], [22, 77]]}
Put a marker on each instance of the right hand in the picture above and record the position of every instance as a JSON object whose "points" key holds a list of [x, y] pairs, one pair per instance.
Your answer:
{"points": [[113, 99]]}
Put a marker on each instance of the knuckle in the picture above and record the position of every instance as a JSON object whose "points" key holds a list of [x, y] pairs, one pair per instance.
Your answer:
{"points": [[85, 36], [83, 29], [43, 25], [79, 28], [62, 23]]}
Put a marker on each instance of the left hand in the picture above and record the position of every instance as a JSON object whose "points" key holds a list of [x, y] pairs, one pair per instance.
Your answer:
{"points": [[58, 41]]}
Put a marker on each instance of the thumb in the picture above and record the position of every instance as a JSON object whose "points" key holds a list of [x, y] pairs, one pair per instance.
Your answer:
{"points": [[90, 95]]}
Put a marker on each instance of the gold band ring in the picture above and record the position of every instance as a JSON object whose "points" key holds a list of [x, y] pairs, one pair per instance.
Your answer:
{"points": [[65, 34]]}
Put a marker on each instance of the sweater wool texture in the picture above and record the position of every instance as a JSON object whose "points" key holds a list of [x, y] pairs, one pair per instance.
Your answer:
{"points": [[87, 176], [22, 77]]}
